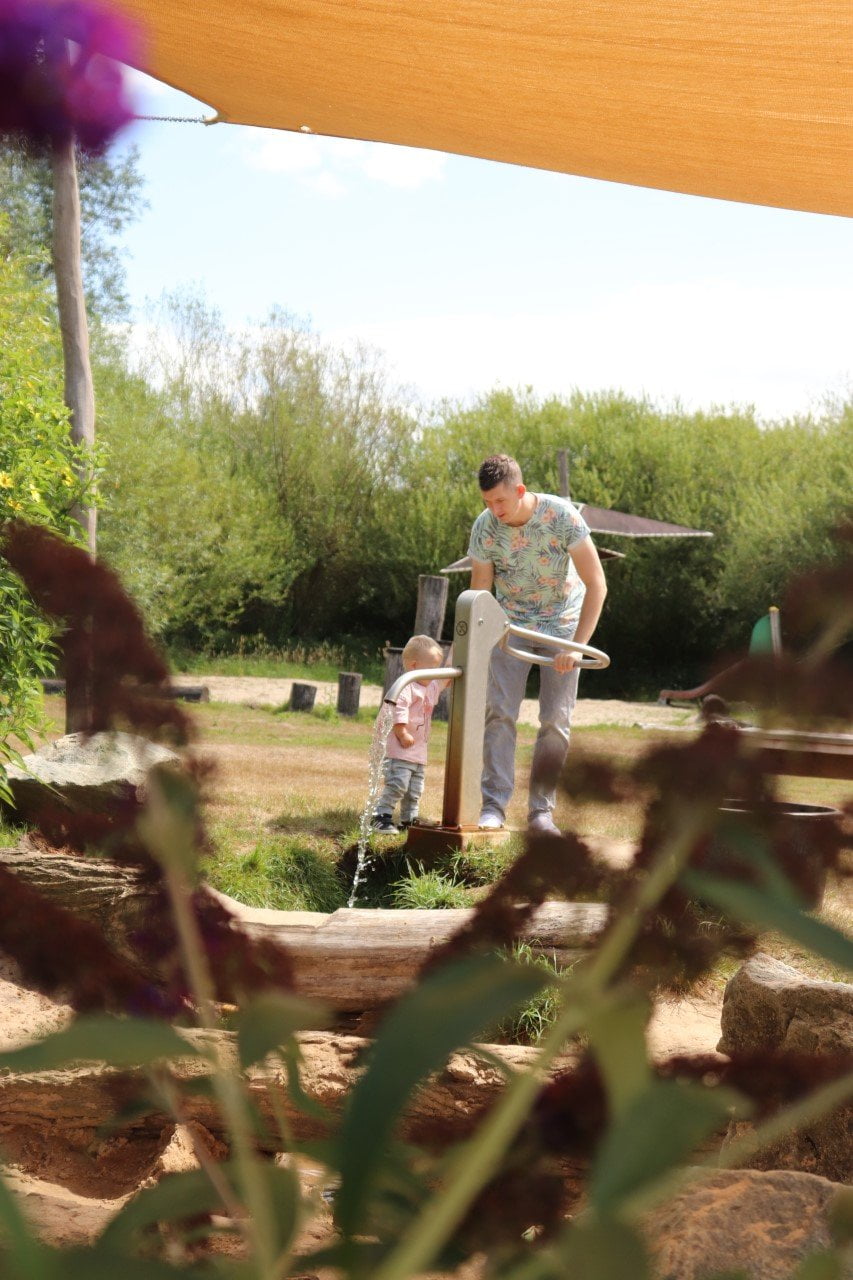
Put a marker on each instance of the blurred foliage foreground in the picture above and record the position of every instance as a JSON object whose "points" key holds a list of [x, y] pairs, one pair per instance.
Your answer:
{"points": [[402, 1208]]}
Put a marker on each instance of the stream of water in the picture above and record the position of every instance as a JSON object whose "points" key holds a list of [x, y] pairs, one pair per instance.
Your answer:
{"points": [[375, 760]]}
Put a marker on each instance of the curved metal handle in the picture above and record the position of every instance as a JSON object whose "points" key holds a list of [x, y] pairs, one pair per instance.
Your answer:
{"points": [[425, 673], [590, 657]]}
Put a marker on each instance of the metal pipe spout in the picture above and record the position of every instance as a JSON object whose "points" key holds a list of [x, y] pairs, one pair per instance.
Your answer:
{"points": [[424, 673]]}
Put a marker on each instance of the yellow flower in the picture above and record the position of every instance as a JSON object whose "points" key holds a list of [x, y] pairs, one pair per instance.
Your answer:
{"points": [[5, 480], [15, 504], [34, 493]]}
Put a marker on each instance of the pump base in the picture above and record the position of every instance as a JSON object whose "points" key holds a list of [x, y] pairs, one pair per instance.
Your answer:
{"points": [[429, 841]]}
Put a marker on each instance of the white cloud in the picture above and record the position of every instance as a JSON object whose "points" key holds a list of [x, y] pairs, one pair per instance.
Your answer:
{"points": [[703, 343], [325, 164]]}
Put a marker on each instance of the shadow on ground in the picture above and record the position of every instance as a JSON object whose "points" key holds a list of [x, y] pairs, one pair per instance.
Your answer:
{"points": [[331, 823]]}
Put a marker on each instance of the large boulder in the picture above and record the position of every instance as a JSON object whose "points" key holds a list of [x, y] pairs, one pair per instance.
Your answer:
{"points": [[84, 774], [760, 1225], [771, 1006]]}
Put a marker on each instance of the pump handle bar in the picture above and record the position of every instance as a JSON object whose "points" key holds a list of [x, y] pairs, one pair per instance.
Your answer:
{"points": [[425, 673], [590, 657]]}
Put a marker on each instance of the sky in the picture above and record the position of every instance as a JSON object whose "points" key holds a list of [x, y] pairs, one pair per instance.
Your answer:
{"points": [[469, 274]]}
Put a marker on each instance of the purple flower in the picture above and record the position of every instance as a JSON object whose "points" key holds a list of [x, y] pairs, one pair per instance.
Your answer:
{"points": [[51, 89]]}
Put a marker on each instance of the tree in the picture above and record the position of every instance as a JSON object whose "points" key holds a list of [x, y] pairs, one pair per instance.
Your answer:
{"points": [[110, 200], [39, 476]]}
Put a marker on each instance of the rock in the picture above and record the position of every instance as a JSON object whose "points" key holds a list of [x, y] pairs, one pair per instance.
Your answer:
{"points": [[770, 1005], [758, 1224], [84, 774]]}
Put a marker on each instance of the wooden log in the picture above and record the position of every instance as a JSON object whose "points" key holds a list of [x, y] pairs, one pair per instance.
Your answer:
{"points": [[302, 696], [349, 692], [432, 603], [74, 1104], [351, 959]]}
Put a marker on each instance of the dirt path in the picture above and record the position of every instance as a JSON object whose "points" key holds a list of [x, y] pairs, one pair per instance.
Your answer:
{"points": [[260, 691]]}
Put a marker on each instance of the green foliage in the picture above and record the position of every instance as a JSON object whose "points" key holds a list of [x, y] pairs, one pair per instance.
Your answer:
{"points": [[285, 873], [110, 199], [120, 1041], [445, 1011], [42, 475], [270, 1020], [291, 494], [529, 1023], [430, 890]]}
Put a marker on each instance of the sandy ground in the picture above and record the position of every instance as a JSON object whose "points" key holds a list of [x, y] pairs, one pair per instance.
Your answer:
{"points": [[40, 1179], [258, 691]]}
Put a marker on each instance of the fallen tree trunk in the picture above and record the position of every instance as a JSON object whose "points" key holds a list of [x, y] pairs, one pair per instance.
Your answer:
{"points": [[69, 1108], [351, 959]]}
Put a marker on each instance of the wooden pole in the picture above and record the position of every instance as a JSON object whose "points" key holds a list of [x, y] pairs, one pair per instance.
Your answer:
{"points": [[79, 390], [563, 463], [432, 603]]}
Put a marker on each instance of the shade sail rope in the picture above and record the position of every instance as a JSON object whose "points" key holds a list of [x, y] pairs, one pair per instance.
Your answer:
{"points": [[182, 119]]}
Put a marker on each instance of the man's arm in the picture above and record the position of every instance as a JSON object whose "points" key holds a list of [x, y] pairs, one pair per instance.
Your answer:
{"points": [[482, 575], [591, 574]]}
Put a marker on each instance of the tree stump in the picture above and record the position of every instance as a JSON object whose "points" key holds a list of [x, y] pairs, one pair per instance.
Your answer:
{"points": [[302, 696], [349, 692]]}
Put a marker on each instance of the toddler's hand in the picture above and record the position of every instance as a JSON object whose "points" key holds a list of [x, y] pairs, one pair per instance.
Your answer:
{"points": [[405, 739]]}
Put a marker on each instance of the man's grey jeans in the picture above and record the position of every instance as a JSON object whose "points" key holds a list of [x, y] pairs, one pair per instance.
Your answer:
{"points": [[557, 696]]}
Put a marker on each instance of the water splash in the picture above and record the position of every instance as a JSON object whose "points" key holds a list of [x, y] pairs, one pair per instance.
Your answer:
{"points": [[375, 761]]}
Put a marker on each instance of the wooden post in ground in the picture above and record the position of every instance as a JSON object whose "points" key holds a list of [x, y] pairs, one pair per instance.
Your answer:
{"points": [[563, 464], [349, 692], [393, 655], [79, 390], [432, 603], [429, 621], [302, 696]]}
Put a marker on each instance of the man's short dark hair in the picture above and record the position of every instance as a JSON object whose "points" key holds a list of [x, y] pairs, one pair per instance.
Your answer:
{"points": [[499, 469]]}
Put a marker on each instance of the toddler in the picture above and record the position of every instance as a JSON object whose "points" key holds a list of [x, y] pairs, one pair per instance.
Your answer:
{"points": [[406, 752]]}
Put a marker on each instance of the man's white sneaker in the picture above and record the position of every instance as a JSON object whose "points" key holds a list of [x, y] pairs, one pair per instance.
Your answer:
{"points": [[542, 824], [490, 821]]}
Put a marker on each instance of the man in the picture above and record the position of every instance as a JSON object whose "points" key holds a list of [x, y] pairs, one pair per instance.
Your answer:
{"points": [[535, 550]]}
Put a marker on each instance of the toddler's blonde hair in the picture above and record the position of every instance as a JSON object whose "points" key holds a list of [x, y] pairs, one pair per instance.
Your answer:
{"points": [[424, 650]]}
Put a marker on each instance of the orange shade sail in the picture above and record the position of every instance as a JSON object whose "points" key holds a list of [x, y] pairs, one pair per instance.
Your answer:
{"points": [[745, 100]]}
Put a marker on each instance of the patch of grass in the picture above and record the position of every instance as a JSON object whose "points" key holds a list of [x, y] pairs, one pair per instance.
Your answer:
{"points": [[332, 824], [282, 873], [528, 1024], [486, 863], [253, 656], [326, 712], [430, 890], [10, 831]]}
